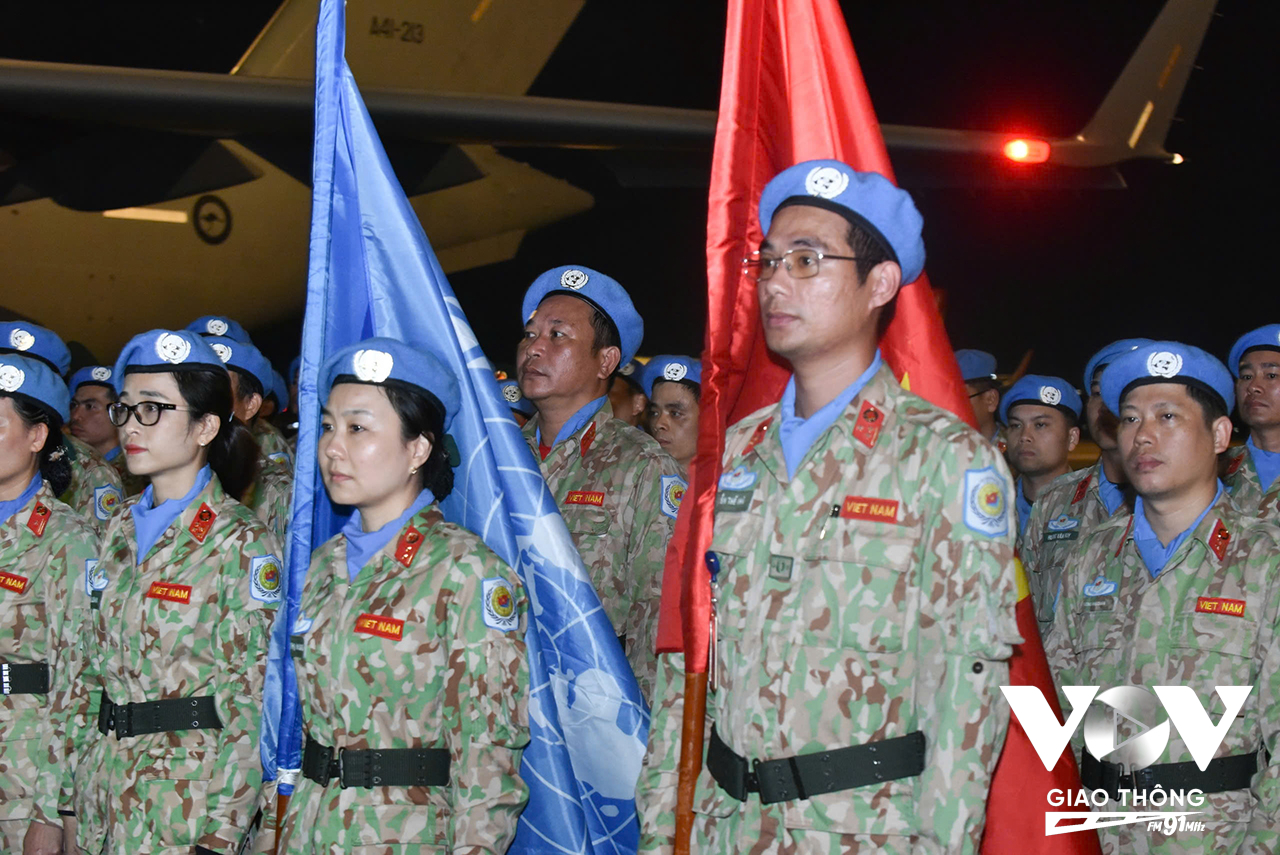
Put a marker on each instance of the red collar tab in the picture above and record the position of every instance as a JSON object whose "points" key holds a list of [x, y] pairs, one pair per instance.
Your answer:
{"points": [[758, 436], [1219, 539], [39, 519], [870, 420], [1081, 490], [544, 450], [202, 522], [408, 545], [1235, 463], [588, 437]]}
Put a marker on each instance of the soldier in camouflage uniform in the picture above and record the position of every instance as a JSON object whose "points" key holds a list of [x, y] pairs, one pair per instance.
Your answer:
{"points": [[617, 490], [45, 549], [1074, 503], [410, 638], [1184, 590], [1252, 473], [1042, 415], [863, 570], [978, 369], [181, 602], [92, 392]]}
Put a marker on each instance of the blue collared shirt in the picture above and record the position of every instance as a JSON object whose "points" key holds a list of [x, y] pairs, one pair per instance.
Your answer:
{"points": [[1266, 463], [363, 545], [1024, 507], [577, 420], [150, 522], [798, 435], [1112, 494], [8, 509], [1154, 553], [113, 453]]}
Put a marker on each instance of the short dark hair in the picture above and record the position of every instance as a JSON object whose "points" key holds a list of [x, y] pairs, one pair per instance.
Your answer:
{"points": [[984, 385], [604, 332], [249, 385], [695, 388], [1211, 406], [867, 250], [54, 468], [421, 416], [233, 454]]}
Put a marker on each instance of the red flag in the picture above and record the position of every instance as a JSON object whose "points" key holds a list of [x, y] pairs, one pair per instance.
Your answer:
{"points": [[792, 90]]}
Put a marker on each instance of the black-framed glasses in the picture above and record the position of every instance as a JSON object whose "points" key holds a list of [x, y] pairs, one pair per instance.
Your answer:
{"points": [[802, 263], [146, 412]]}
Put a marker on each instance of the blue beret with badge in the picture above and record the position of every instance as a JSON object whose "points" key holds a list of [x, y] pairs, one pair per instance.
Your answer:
{"points": [[510, 391], [866, 199], [1106, 355], [35, 341], [377, 361], [976, 364], [220, 325], [1263, 338], [160, 351], [92, 375], [672, 368], [1166, 362], [244, 358], [597, 290], [1045, 391], [24, 377]]}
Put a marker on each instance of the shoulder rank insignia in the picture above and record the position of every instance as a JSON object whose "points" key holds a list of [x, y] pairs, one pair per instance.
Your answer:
{"points": [[202, 522], [588, 437], [408, 545], [758, 436], [39, 519], [1219, 539], [870, 420], [1235, 464], [1081, 490]]}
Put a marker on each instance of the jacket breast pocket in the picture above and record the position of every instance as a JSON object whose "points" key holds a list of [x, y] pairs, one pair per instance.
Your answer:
{"points": [[859, 593], [1221, 645], [172, 793], [585, 521]]}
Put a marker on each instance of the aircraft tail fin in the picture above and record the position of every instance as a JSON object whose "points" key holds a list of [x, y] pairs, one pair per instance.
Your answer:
{"points": [[1134, 118]]}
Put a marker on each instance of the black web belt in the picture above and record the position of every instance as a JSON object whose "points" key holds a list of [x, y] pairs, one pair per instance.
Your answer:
{"points": [[388, 767], [157, 716], [24, 679], [807, 775], [1223, 773]]}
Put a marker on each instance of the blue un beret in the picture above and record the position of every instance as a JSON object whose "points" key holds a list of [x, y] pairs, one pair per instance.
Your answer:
{"points": [[35, 341], [94, 375], [280, 389], [976, 364], [866, 199], [220, 325], [1045, 391], [1106, 355], [597, 289], [510, 391], [243, 357], [23, 377], [673, 368], [1263, 338], [295, 369], [377, 360], [159, 351], [1166, 362]]}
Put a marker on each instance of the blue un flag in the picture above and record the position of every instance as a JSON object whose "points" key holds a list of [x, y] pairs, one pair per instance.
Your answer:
{"points": [[372, 272]]}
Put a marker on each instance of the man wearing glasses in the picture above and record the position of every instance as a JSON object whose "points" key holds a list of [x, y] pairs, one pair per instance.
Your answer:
{"points": [[91, 395], [978, 370], [865, 584]]}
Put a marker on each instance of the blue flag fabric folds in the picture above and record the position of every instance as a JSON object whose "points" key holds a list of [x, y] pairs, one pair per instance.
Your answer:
{"points": [[372, 272]]}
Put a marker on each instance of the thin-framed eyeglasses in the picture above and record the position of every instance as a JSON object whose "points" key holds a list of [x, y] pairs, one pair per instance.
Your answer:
{"points": [[146, 412], [802, 263]]}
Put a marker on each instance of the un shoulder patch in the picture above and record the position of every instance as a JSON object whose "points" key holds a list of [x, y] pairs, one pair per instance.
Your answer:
{"points": [[673, 487], [499, 605], [264, 579], [105, 501], [278, 457], [986, 508]]}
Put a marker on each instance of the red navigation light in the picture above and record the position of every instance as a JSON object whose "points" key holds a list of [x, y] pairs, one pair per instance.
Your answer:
{"points": [[1026, 150]]}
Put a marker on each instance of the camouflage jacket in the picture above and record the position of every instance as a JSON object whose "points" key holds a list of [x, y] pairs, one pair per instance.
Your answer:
{"points": [[133, 484], [96, 490], [270, 496], [424, 649], [1210, 618], [191, 620], [1240, 479], [272, 443], [618, 492], [870, 597], [46, 549], [1066, 511]]}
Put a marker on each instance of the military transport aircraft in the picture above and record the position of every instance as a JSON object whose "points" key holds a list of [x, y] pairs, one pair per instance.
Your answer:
{"points": [[192, 190]]}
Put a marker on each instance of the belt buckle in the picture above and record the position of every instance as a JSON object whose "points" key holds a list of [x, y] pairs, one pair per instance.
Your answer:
{"points": [[751, 779], [122, 720], [342, 767]]}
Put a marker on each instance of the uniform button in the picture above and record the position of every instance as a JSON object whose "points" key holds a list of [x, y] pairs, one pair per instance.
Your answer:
{"points": [[977, 667]]}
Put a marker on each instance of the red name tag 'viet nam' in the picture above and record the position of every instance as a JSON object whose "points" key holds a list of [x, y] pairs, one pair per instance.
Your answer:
{"points": [[172, 593], [11, 582], [583, 497], [1220, 606], [384, 627], [867, 508]]}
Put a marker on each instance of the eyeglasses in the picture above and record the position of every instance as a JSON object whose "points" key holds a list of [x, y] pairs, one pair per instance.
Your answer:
{"points": [[146, 412], [804, 265]]}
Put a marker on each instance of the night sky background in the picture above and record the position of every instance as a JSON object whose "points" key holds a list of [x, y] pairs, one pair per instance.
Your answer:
{"points": [[1186, 252]]}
